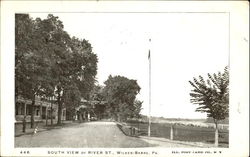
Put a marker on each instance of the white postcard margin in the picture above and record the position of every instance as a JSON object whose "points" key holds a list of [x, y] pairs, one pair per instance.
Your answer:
{"points": [[239, 70]]}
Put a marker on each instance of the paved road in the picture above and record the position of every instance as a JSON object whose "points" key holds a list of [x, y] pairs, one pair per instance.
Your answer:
{"points": [[92, 134]]}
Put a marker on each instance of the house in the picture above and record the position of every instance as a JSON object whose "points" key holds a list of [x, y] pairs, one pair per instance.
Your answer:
{"points": [[90, 109], [44, 108]]}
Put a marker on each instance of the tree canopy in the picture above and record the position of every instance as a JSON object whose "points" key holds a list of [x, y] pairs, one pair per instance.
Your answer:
{"points": [[48, 62], [212, 95], [120, 93]]}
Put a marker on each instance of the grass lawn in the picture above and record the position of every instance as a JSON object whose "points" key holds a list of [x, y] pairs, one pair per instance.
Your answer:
{"points": [[183, 133]]}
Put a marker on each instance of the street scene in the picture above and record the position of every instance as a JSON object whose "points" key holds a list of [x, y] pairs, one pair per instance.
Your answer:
{"points": [[95, 134], [90, 135], [84, 83]]}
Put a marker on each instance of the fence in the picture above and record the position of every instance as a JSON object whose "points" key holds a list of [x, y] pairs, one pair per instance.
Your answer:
{"points": [[181, 132]]}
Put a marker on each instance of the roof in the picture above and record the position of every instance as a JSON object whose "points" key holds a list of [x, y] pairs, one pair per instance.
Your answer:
{"points": [[81, 106]]}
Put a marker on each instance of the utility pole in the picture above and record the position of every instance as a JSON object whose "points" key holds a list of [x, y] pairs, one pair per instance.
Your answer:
{"points": [[149, 109]]}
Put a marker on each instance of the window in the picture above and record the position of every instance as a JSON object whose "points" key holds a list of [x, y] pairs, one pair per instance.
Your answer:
{"points": [[22, 108], [28, 109], [16, 108], [37, 112]]}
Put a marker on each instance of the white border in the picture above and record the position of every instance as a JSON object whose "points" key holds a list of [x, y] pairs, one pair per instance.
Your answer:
{"points": [[239, 64]]}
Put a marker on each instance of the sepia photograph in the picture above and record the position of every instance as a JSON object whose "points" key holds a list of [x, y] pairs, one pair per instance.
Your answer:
{"points": [[123, 83], [114, 80]]}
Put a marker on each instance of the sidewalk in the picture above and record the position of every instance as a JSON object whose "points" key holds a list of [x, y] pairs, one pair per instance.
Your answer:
{"points": [[40, 127], [163, 142]]}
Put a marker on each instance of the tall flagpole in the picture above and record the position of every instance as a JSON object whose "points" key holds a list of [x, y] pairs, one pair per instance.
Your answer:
{"points": [[149, 109]]}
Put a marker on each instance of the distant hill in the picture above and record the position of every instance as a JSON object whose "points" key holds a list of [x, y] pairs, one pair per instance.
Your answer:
{"points": [[225, 121], [208, 122], [163, 119], [171, 119]]}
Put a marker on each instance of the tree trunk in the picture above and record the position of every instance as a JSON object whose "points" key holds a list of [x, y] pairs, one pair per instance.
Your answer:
{"points": [[51, 117], [32, 112], [59, 111], [80, 117], [24, 123], [59, 114], [216, 138]]}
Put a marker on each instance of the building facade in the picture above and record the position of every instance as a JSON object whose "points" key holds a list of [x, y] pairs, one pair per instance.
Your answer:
{"points": [[88, 110], [43, 109]]}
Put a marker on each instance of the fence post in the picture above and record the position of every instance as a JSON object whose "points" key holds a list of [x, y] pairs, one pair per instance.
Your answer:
{"points": [[24, 123], [133, 131], [171, 132], [46, 116]]}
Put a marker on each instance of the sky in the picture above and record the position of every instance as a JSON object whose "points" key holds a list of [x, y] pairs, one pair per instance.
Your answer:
{"points": [[183, 46]]}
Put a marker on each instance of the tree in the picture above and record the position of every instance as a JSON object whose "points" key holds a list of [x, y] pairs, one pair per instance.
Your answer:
{"points": [[212, 96], [30, 60], [120, 93], [72, 98], [74, 65], [96, 93], [84, 63], [97, 99], [51, 63], [48, 62], [137, 107], [23, 31], [82, 66]]}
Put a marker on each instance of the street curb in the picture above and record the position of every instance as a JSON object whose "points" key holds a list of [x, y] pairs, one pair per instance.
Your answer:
{"points": [[119, 125]]}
